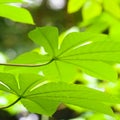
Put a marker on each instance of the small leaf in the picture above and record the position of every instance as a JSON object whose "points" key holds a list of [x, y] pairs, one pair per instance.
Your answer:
{"points": [[91, 9], [74, 5], [46, 37], [16, 14]]}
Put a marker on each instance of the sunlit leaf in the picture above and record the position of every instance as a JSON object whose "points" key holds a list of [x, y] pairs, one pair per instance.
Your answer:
{"points": [[46, 37], [16, 14], [90, 56], [90, 52], [44, 98], [75, 5], [47, 97], [112, 7], [91, 9]]}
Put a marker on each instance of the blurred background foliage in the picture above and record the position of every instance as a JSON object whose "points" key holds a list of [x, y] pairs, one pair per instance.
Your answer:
{"points": [[98, 16]]}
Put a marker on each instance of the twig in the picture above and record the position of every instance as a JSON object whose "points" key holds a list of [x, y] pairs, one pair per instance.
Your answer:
{"points": [[26, 65], [4, 107]]}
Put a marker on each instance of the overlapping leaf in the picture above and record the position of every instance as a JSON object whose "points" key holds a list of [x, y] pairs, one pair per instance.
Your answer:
{"points": [[43, 98], [90, 52]]}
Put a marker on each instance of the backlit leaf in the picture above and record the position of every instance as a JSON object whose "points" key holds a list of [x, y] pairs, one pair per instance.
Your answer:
{"points": [[112, 7], [51, 95], [44, 98], [46, 37], [75, 5], [16, 14], [91, 9]]}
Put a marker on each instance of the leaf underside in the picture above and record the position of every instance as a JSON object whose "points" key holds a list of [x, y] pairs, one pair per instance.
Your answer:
{"points": [[45, 98], [92, 53]]}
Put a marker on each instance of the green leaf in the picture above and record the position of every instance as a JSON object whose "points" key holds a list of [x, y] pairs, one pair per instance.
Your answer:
{"points": [[46, 37], [114, 32], [91, 9], [10, 1], [8, 83], [90, 52], [46, 98], [74, 5], [92, 56], [94, 68], [97, 27], [75, 39], [26, 58], [43, 98], [112, 7], [54, 71], [16, 14], [59, 71], [96, 51], [20, 83]]}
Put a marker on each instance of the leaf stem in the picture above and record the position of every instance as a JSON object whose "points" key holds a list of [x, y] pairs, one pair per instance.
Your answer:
{"points": [[26, 65], [4, 107]]}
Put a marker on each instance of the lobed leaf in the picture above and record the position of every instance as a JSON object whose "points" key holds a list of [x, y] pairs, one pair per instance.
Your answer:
{"points": [[46, 98], [46, 37], [92, 53], [75, 39], [41, 97], [20, 84]]}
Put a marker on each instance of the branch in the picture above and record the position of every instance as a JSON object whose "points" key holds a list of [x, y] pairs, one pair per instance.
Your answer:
{"points": [[11, 104], [26, 65]]}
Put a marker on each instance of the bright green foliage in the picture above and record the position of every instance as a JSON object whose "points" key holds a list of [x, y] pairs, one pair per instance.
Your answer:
{"points": [[99, 16], [18, 14], [10, 1], [90, 52], [91, 9], [47, 37], [112, 7], [26, 58], [75, 5], [43, 84], [45, 98]]}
